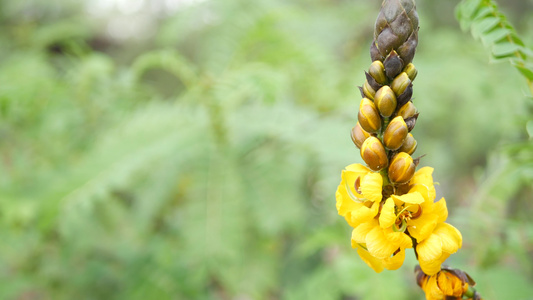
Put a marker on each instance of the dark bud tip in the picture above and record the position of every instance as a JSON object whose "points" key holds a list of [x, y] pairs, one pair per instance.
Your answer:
{"points": [[374, 52], [416, 161], [361, 90], [407, 50], [373, 83], [411, 122], [393, 65], [405, 96]]}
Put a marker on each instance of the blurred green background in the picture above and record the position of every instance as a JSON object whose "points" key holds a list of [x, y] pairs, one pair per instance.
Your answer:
{"points": [[192, 149]]}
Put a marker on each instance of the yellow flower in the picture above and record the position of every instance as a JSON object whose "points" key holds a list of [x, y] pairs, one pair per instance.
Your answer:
{"points": [[435, 249], [361, 204], [422, 182], [378, 247], [446, 284], [430, 214]]}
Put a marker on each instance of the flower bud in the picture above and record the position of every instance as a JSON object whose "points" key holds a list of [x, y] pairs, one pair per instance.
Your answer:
{"points": [[401, 168], [368, 91], [377, 71], [374, 154], [393, 64], [359, 135], [400, 83], [395, 133], [369, 118], [411, 71], [385, 101], [409, 145], [411, 122], [407, 110]]}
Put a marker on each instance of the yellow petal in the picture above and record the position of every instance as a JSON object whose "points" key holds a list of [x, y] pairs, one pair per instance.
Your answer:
{"points": [[344, 203], [441, 210], [387, 216], [371, 187], [411, 198], [358, 168], [427, 191], [430, 249], [421, 227], [378, 245], [432, 289], [359, 233], [431, 267], [394, 262], [451, 238], [364, 214], [399, 239], [370, 260], [423, 174]]}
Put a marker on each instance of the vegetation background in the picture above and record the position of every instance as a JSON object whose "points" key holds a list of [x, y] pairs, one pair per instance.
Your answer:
{"points": [[191, 149]]}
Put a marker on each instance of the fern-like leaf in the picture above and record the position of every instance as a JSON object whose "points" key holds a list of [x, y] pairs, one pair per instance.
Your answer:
{"points": [[489, 25]]}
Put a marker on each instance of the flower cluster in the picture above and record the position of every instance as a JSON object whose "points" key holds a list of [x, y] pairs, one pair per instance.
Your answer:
{"points": [[389, 204], [449, 284], [388, 219]]}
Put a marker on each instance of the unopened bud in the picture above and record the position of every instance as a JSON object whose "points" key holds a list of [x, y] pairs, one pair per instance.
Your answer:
{"points": [[377, 71], [359, 135], [411, 122], [393, 64], [385, 101], [401, 168], [368, 116], [368, 91], [395, 133], [411, 71], [374, 154], [400, 83], [407, 110], [409, 145]]}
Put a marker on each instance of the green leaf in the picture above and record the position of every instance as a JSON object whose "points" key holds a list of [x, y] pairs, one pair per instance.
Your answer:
{"points": [[485, 25], [470, 7], [505, 50], [483, 12], [495, 35], [524, 68]]}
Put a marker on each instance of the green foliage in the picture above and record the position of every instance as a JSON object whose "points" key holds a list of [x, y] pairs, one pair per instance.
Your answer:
{"points": [[504, 193], [200, 160], [489, 25]]}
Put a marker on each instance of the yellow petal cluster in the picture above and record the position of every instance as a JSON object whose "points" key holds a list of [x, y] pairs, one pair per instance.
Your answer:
{"points": [[384, 227], [446, 284]]}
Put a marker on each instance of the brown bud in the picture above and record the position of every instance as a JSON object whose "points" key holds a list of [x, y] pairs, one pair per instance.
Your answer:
{"points": [[359, 135], [372, 82], [407, 50], [375, 53], [411, 71], [374, 154], [368, 91], [409, 145], [405, 96], [401, 168], [393, 64], [385, 101], [400, 83], [411, 122], [368, 116], [377, 71], [407, 110], [395, 133]]}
